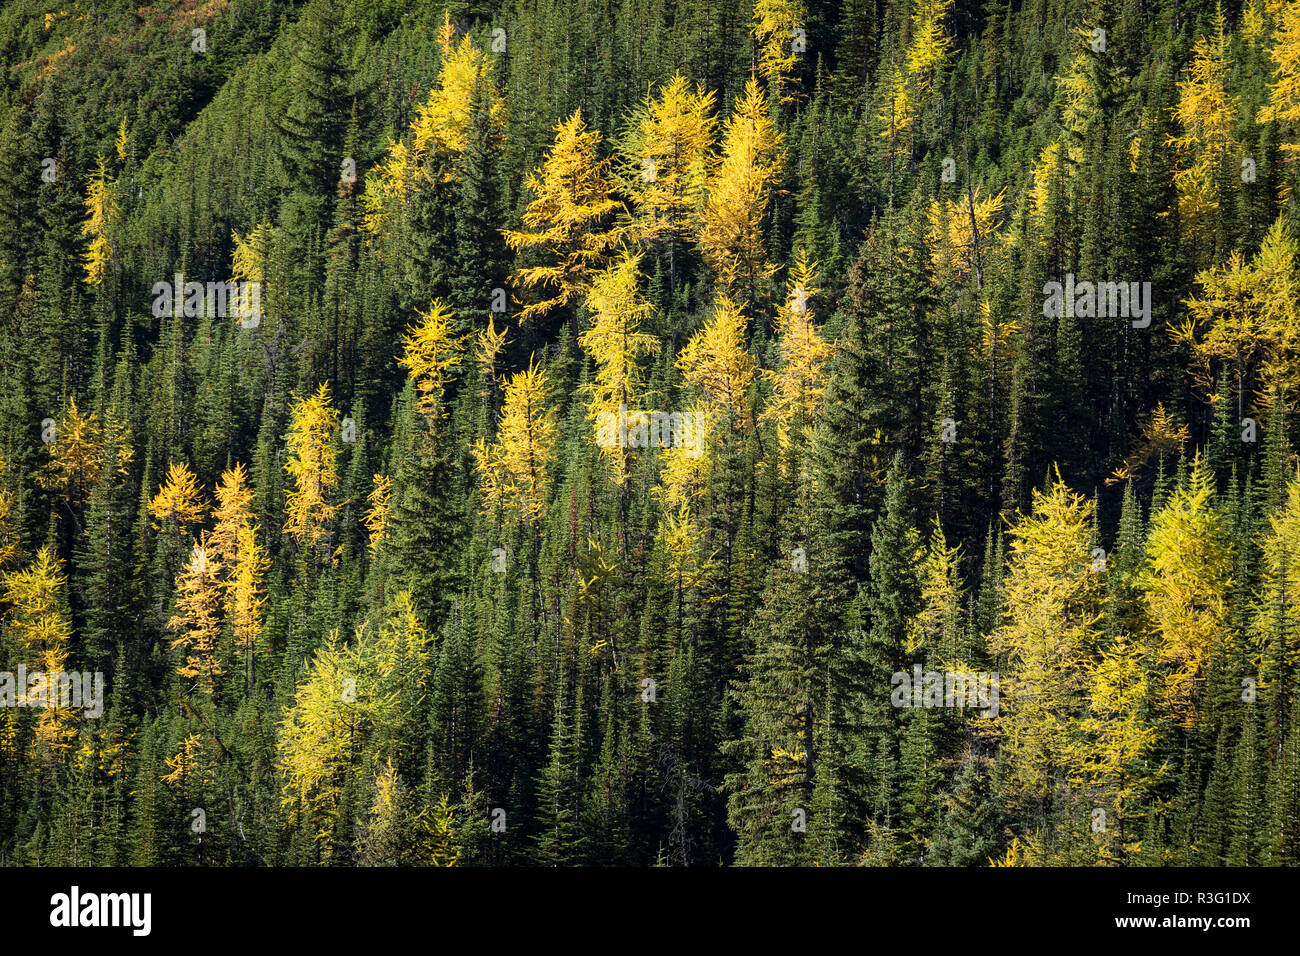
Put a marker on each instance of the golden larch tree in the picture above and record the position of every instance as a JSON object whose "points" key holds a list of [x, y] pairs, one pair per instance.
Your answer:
{"points": [[234, 509], [739, 194], [179, 501], [197, 621], [39, 624], [102, 212], [432, 353], [312, 466], [1185, 586], [1207, 113], [1284, 91], [801, 378], [1053, 603], [439, 130], [566, 219], [516, 469], [716, 360], [774, 28], [377, 516], [667, 155], [615, 343], [78, 452]]}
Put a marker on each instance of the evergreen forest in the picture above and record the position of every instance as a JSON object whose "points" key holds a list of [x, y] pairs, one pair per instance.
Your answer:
{"points": [[649, 433]]}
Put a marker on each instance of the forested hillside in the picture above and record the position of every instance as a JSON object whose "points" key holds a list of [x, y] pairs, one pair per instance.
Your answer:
{"points": [[649, 432]]}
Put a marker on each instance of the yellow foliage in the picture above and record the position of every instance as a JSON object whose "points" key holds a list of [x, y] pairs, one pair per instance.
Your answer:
{"points": [[185, 761], [312, 466], [716, 361], [39, 626], [9, 548], [1052, 604], [615, 344], [102, 212], [1284, 90], [739, 191], [933, 631], [668, 155], [232, 512], [955, 230], [350, 692], [180, 499], [911, 84], [431, 353], [78, 454], [120, 143], [1246, 318], [516, 470], [245, 588], [798, 384], [197, 618], [376, 519], [441, 125], [1207, 113], [1185, 584], [773, 29], [443, 121], [1160, 437], [488, 345], [572, 196], [1045, 174]]}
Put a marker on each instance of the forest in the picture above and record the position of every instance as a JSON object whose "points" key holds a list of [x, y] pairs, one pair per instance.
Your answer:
{"points": [[649, 433]]}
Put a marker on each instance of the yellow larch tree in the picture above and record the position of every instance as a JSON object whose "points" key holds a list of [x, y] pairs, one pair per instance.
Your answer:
{"points": [[1115, 740], [1185, 585], [1052, 603], [233, 510], [9, 546], [774, 28], [377, 516], [78, 450], [488, 343], [934, 631], [1161, 438], [961, 232], [516, 469], [321, 735], [798, 384], [1245, 319], [249, 262], [197, 621], [566, 219], [179, 501], [716, 361], [245, 589], [39, 624], [1284, 90], [312, 466], [102, 212], [739, 193], [439, 129], [911, 83], [1275, 621], [353, 693], [431, 353], [615, 343], [717, 365], [121, 141], [1207, 113], [667, 155], [442, 122]]}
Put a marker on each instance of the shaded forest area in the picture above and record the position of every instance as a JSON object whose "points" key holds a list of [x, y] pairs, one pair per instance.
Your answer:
{"points": [[555, 433]]}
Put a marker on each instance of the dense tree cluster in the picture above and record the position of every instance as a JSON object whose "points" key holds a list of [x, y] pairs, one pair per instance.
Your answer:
{"points": [[606, 405]]}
